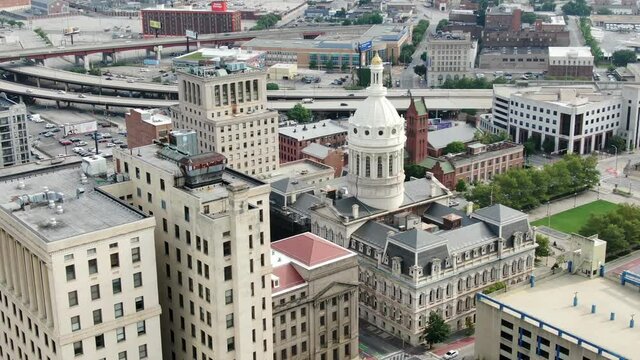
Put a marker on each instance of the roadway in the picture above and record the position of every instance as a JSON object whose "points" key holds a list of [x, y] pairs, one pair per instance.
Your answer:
{"points": [[434, 99], [127, 102], [150, 43], [315, 93]]}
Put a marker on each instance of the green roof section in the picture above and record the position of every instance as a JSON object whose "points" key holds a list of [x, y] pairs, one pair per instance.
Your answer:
{"points": [[430, 162], [421, 107]]}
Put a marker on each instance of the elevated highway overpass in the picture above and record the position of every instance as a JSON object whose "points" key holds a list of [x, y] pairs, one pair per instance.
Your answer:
{"points": [[438, 98], [167, 42], [435, 99]]}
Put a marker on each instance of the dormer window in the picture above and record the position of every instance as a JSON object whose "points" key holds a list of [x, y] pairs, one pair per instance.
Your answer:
{"points": [[385, 260], [275, 282], [492, 247], [369, 250], [395, 264], [447, 262], [360, 247], [467, 255], [475, 252], [484, 250], [353, 244]]}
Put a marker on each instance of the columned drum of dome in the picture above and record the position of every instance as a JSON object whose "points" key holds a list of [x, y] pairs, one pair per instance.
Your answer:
{"points": [[376, 147]]}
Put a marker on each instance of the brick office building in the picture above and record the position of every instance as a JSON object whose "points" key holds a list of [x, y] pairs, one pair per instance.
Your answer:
{"points": [[144, 126], [175, 21], [295, 138], [503, 18], [480, 162], [525, 38], [571, 62]]}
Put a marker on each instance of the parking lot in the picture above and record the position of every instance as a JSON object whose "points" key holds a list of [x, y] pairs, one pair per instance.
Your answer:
{"points": [[48, 140]]}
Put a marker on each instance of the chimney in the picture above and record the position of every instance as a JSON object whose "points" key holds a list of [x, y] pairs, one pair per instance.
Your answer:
{"points": [[451, 221], [469, 208], [355, 210]]}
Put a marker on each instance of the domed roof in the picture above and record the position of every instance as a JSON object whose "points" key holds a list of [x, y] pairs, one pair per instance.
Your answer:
{"points": [[375, 112], [376, 60]]}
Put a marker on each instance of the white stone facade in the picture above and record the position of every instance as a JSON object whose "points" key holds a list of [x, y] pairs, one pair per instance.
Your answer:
{"points": [[229, 113]]}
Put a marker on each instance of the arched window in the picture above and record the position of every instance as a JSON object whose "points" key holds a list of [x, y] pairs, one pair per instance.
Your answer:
{"points": [[391, 165], [358, 164], [367, 166], [460, 285], [379, 166]]}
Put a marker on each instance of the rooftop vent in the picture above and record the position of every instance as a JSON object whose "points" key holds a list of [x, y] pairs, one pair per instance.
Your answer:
{"points": [[52, 222], [52, 204], [21, 185], [59, 209]]}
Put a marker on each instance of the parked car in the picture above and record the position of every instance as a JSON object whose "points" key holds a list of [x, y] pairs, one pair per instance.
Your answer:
{"points": [[65, 142], [48, 134], [109, 145], [81, 143], [49, 126], [82, 96], [61, 92], [75, 140], [55, 130], [344, 104], [451, 354]]}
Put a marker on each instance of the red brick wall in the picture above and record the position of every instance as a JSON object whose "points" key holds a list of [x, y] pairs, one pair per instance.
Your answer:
{"points": [[13, 3], [291, 149], [417, 132], [141, 133], [175, 22], [335, 159]]}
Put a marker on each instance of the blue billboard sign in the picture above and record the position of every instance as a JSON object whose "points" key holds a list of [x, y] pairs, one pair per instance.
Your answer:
{"points": [[365, 46]]}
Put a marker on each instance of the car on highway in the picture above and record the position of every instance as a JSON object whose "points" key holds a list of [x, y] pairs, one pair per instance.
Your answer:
{"points": [[75, 140], [130, 81], [82, 96], [61, 92], [109, 145], [49, 126], [344, 104], [451, 354], [29, 91], [81, 143], [48, 134]]}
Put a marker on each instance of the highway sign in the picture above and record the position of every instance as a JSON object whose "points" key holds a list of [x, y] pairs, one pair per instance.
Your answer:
{"points": [[365, 46], [191, 34], [155, 24]]}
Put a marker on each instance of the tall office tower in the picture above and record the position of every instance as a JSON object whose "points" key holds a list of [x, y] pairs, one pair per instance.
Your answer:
{"points": [[229, 112], [77, 272], [212, 249], [14, 145]]}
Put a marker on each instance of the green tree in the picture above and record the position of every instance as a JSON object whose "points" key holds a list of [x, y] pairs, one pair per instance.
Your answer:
{"points": [[19, 24], [436, 330], [529, 147], [11, 23], [313, 64], [441, 24], [604, 11], [420, 70], [547, 6], [469, 327], [543, 249], [273, 86], [267, 21], [347, 22], [616, 143], [415, 171], [577, 8], [489, 138], [406, 52], [461, 186], [2, 21], [623, 57], [548, 145], [369, 18], [341, 13], [328, 65], [423, 56], [299, 113], [344, 67], [454, 147], [528, 18]]}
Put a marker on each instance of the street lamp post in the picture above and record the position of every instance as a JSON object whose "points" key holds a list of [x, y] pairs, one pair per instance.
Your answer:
{"points": [[616, 154]]}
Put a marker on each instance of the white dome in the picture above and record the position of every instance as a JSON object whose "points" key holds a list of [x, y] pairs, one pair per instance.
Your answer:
{"points": [[374, 112]]}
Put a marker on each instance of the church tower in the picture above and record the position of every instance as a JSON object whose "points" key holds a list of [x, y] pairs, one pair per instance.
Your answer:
{"points": [[376, 147]]}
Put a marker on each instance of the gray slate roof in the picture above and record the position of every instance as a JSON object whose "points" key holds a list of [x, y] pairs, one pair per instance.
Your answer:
{"points": [[441, 138], [499, 213], [288, 185], [316, 150], [304, 202], [344, 206], [418, 240], [374, 233], [436, 211]]}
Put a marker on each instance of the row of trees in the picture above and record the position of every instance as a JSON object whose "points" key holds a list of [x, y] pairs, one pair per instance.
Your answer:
{"points": [[585, 28], [417, 34], [267, 21], [487, 138], [620, 228], [406, 53], [623, 57], [528, 188], [11, 23], [471, 83], [546, 5]]}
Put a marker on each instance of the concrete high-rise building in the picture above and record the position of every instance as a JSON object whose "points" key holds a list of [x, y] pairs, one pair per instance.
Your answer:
{"points": [[452, 56], [212, 249], [77, 272], [315, 299], [14, 143], [229, 112]]}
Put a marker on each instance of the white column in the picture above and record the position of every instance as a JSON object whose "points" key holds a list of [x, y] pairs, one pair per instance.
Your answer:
{"points": [[47, 294], [6, 263], [3, 258], [22, 274], [38, 280], [30, 281], [12, 258]]}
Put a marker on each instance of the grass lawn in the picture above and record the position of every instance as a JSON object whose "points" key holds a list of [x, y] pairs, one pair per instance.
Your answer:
{"points": [[573, 219]]}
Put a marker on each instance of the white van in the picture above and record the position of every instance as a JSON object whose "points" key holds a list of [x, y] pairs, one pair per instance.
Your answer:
{"points": [[307, 101], [498, 73]]}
